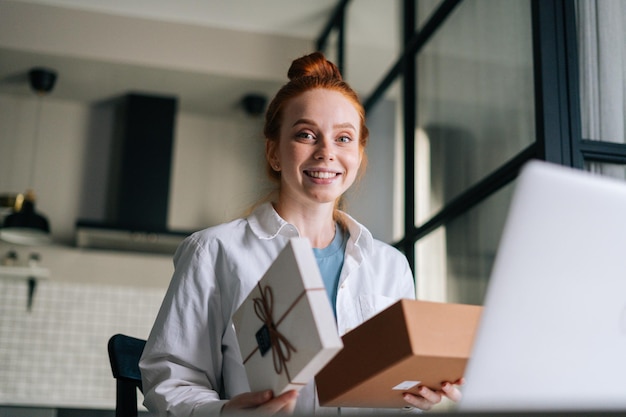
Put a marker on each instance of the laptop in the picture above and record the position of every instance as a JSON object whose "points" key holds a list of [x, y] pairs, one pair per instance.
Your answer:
{"points": [[552, 335]]}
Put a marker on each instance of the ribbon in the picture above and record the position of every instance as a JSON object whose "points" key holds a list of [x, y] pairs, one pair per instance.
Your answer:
{"points": [[281, 347]]}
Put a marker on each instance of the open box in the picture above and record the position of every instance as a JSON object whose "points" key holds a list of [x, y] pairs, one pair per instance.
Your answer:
{"points": [[409, 344]]}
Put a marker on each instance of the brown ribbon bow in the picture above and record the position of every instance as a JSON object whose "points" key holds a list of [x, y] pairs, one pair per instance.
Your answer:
{"points": [[281, 347]]}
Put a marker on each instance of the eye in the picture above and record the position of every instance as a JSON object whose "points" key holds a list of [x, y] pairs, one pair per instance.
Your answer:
{"points": [[344, 139], [305, 135]]}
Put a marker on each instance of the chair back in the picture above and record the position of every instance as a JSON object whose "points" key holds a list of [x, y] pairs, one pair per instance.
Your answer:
{"points": [[124, 354]]}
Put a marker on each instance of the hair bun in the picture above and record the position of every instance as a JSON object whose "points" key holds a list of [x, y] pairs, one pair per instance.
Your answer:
{"points": [[313, 65]]}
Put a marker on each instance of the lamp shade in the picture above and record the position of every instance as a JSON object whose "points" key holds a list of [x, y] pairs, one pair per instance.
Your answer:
{"points": [[26, 226]]}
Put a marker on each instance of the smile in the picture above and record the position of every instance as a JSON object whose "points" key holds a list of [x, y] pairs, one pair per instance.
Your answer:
{"points": [[321, 174]]}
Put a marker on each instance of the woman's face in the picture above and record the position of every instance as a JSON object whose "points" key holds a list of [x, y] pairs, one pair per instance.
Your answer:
{"points": [[318, 151]]}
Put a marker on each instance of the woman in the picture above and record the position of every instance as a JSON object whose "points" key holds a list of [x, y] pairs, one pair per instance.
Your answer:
{"points": [[315, 148]]}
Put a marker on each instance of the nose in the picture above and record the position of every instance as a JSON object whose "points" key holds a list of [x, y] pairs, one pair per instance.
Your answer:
{"points": [[324, 150]]}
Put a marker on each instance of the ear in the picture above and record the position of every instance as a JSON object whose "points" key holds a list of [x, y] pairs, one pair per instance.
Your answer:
{"points": [[271, 154]]}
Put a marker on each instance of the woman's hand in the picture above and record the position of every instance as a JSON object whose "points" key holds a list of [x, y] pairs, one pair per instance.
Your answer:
{"points": [[261, 403], [428, 398]]}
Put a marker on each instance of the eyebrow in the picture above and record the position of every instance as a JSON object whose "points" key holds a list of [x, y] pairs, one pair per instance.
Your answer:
{"points": [[337, 126]]}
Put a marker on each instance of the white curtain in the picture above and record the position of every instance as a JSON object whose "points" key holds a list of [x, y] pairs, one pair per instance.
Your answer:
{"points": [[602, 59]]}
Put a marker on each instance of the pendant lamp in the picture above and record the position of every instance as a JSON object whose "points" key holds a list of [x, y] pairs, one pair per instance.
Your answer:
{"points": [[25, 225]]}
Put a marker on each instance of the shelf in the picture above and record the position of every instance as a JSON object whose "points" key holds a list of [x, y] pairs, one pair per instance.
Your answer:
{"points": [[24, 272]]}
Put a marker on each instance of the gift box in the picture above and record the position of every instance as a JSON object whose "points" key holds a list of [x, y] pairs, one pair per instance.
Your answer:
{"points": [[286, 327], [408, 345]]}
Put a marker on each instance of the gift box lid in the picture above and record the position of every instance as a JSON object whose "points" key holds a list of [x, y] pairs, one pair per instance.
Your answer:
{"points": [[285, 327]]}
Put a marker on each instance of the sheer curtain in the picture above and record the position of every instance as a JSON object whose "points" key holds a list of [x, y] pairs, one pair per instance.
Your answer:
{"points": [[602, 59]]}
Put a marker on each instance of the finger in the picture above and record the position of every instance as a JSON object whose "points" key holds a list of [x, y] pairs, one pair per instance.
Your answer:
{"points": [[451, 391], [290, 406], [429, 395], [417, 401], [289, 402], [284, 403], [247, 400], [426, 399]]}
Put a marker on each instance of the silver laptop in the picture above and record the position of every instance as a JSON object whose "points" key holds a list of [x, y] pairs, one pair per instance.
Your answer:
{"points": [[553, 331]]}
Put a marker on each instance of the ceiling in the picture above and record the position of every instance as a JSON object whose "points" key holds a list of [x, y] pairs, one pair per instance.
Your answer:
{"points": [[88, 80], [300, 18]]}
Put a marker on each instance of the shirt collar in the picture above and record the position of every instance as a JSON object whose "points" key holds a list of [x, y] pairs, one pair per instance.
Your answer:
{"points": [[265, 223], [359, 234]]}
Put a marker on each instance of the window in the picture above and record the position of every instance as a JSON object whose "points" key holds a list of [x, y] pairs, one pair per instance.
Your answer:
{"points": [[486, 85], [602, 62], [475, 111]]}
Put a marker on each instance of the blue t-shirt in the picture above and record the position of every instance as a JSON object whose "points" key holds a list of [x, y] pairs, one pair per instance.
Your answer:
{"points": [[330, 262]]}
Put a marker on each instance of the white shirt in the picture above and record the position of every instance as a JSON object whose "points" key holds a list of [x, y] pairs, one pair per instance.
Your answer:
{"points": [[191, 364]]}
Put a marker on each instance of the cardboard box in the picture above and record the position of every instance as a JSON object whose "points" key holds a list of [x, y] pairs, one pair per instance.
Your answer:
{"points": [[410, 344], [286, 327]]}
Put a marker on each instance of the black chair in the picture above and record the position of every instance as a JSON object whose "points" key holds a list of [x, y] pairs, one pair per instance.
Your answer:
{"points": [[124, 354]]}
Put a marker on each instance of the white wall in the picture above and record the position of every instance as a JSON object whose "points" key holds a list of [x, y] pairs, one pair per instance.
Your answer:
{"points": [[216, 163], [217, 172], [55, 355], [91, 295]]}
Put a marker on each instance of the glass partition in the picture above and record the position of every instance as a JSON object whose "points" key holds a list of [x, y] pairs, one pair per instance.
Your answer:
{"points": [[475, 105], [453, 263], [373, 42], [331, 47], [424, 10], [377, 198]]}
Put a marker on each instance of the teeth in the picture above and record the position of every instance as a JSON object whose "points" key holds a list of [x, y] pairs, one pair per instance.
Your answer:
{"points": [[319, 174]]}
